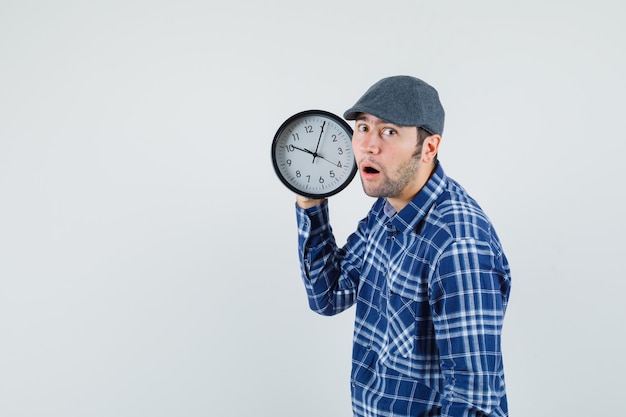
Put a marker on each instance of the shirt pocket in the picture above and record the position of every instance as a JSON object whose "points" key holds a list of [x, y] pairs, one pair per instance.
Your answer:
{"points": [[409, 337], [401, 325]]}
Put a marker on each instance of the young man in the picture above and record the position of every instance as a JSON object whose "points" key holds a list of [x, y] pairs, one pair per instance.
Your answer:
{"points": [[425, 268]]}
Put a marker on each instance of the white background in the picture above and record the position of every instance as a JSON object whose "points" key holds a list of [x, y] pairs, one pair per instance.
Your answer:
{"points": [[148, 261]]}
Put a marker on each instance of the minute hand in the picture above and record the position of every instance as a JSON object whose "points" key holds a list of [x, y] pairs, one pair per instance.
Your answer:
{"points": [[318, 141]]}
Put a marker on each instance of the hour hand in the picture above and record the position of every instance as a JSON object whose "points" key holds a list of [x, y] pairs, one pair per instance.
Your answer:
{"points": [[315, 155], [303, 150]]}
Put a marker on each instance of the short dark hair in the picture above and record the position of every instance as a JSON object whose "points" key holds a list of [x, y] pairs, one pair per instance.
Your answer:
{"points": [[422, 134]]}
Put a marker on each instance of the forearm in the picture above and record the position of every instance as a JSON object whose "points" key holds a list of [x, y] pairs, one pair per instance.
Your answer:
{"points": [[469, 309], [471, 363], [329, 286]]}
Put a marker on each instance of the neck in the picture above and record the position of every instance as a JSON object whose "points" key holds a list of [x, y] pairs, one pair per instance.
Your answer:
{"points": [[421, 178]]}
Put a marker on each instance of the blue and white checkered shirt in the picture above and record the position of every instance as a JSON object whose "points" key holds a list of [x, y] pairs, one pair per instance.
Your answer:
{"points": [[431, 285]]}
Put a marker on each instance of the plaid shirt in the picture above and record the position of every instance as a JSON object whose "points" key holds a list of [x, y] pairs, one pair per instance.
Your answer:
{"points": [[431, 285]]}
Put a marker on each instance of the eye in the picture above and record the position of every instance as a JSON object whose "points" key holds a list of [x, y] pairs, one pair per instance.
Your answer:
{"points": [[362, 128], [388, 131]]}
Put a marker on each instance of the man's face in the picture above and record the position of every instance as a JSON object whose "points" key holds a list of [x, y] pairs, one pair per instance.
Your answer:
{"points": [[387, 157]]}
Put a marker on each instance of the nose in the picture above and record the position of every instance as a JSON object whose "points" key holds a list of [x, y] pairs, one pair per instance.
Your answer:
{"points": [[369, 143]]}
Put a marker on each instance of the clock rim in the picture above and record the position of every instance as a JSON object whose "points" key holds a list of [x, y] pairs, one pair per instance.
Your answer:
{"points": [[313, 112]]}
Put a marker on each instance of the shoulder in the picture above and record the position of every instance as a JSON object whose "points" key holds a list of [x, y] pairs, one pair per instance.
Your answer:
{"points": [[456, 215]]}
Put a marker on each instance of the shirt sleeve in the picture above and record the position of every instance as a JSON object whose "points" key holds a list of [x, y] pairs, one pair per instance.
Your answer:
{"points": [[330, 273], [468, 295]]}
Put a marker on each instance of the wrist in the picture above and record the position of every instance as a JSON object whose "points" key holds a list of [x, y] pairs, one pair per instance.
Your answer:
{"points": [[305, 202]]}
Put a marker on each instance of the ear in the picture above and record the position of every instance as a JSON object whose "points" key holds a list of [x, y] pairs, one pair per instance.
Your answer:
{"points": [[430, 147]]}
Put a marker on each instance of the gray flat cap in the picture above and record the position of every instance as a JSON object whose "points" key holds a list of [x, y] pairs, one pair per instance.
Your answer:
{"points": [[402, 100]]}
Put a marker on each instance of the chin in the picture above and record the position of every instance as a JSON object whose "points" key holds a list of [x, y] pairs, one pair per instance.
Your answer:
{"points": [[370, 192]]}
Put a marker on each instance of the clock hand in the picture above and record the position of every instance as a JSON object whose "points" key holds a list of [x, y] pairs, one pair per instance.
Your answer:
{"points": [[318, 141], [328, 160], [315, 154], [304, 150]]}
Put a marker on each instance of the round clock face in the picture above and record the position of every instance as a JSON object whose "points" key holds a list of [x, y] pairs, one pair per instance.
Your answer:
{"points": [[312, 154]]}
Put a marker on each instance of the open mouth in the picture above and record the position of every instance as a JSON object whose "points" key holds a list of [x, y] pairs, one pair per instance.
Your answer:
{"points": [[369, 170]]}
